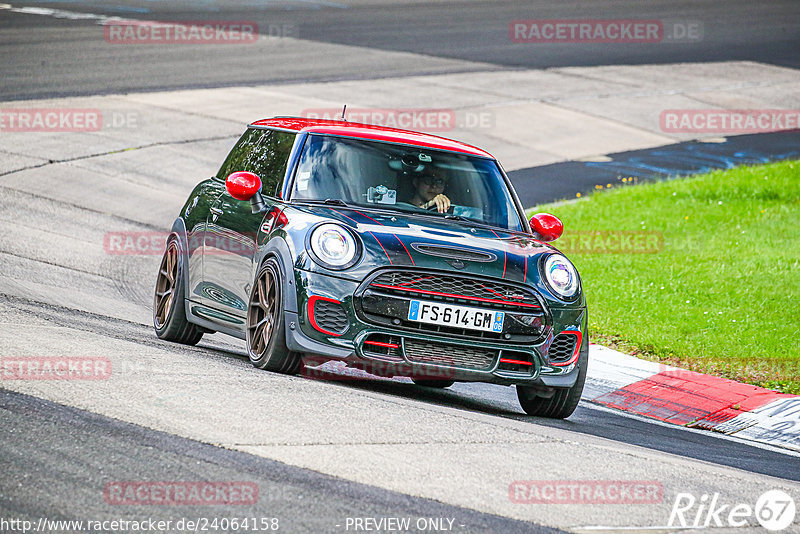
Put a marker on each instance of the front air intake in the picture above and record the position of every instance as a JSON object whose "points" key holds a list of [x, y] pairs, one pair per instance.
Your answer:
{"points": [[564, 348], [450, 355], [328, 316]]}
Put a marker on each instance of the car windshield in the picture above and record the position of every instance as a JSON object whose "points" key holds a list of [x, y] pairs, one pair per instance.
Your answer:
{"points": [[404, 178]]}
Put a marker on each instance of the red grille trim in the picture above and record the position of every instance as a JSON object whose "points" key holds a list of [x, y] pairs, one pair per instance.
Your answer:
{"points": [[382, 344], [517, 362], [576, 352], [311, 317], [465, 297]]}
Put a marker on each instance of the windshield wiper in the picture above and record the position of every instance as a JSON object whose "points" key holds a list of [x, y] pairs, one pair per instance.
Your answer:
{"points": [[451, 217], [467, 220], [328, 201]]}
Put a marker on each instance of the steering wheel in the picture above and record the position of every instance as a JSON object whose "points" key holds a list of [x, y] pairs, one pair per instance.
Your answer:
{"points": [[448, 210]]}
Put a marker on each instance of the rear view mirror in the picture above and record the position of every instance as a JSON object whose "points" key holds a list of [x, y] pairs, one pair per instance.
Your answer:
{"points": [[243, 185], [546, 227]]}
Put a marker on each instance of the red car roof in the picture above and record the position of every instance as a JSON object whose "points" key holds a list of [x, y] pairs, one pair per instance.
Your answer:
{"points": [[371, 131]]}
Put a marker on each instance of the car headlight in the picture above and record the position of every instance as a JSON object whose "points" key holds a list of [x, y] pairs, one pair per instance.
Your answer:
{"points": [[333, 247], [561, 276]]}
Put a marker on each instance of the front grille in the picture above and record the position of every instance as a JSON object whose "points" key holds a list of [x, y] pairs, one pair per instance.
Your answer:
{"points": [[452, 331], [449, 355], [331, 316], [385, 299], [562, 348], [464, 290]]}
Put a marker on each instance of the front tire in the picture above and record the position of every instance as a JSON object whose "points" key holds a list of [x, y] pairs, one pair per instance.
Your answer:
{"points": [[555, 403], [169, 309], [266, 326]]}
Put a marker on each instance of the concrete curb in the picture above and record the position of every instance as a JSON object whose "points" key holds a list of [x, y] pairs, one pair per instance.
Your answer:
{"points": [[691, 399]]}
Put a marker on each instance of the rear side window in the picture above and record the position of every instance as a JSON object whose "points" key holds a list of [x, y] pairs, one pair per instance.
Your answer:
{"points": [[262, 152]]}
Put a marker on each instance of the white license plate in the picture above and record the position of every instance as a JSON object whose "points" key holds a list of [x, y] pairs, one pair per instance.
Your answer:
{"points": [[456, 316]]}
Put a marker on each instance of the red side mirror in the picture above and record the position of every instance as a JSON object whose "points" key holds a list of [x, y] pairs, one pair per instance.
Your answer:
{"points": [[546, 227], [243, 185]]}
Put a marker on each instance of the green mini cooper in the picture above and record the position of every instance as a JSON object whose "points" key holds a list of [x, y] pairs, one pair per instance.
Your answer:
{"points": [[396, 252]]}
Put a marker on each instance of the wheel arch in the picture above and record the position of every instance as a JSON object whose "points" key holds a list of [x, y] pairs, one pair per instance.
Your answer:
{"points": [[278, 249]]}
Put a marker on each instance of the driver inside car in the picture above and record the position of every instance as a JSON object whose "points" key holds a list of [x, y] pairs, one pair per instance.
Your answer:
{"points": [[429, 191]]}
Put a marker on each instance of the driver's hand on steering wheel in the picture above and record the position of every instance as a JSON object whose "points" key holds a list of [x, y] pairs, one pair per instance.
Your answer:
{"points": [[440, 202]]}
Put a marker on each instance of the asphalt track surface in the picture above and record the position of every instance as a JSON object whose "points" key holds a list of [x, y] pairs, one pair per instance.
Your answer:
{"points": [[562, 181], [49, 56], [56, 459], [81, 446]]}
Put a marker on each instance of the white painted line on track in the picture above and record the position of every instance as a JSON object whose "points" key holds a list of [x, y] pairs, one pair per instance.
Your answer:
{"points": [[600, 528], [63, 14], [102, 19]]}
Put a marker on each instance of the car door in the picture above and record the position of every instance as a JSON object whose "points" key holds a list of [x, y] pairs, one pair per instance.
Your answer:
{"points": [[195, 217], [229, 244]]}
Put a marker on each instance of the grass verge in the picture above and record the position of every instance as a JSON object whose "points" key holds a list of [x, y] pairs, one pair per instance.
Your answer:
{"points": [[700, 272]]}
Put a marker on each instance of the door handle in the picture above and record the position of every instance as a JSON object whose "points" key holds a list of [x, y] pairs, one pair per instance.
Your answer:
{"points": [[215, 212]]}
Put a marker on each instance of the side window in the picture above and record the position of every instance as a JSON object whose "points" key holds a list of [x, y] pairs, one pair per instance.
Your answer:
{"points": [[263, 152]]}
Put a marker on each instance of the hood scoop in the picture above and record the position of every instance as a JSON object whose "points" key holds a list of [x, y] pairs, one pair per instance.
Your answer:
{"points": [[455, 253]]}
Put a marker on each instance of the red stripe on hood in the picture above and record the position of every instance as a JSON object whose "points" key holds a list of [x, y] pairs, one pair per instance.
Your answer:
{"points": [[395, 235], [370, 233], [505, 253]]}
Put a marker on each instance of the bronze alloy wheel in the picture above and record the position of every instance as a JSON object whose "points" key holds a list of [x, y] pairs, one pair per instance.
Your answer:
{"points": [[169, 315], [266, 327], [165, 285], [262, 318]]}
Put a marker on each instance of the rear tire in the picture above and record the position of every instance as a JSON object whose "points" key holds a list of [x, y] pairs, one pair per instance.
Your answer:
{"points": [[169, 303], [555, 403], [266, 325], [434, 383]]}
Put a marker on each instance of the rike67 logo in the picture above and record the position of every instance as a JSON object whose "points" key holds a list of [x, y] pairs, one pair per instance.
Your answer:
{"points": [[774, 510]]}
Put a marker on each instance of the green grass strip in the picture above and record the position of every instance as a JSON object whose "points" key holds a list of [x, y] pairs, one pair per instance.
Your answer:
{"points": [[700, 272]]}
